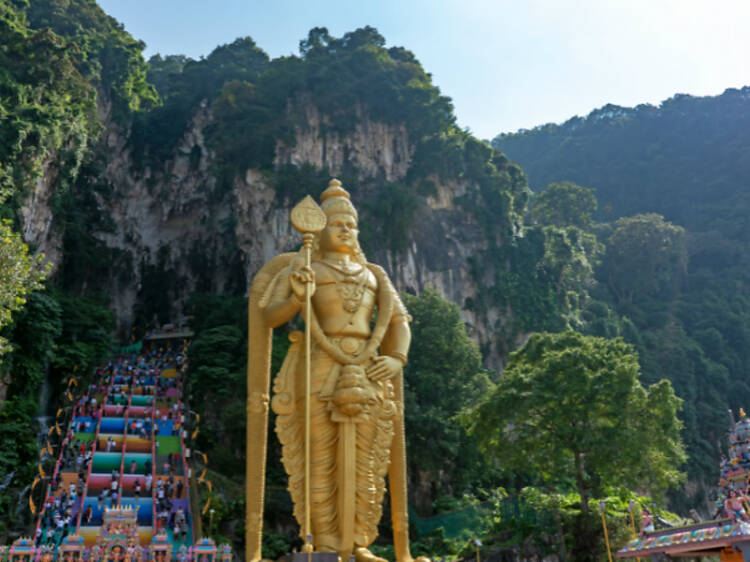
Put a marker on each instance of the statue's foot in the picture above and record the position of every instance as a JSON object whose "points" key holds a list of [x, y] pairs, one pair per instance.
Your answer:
{"points": [[361, 554]]}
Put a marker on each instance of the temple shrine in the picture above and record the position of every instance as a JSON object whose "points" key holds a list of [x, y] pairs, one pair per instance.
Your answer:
{"points": [[727, 534]]}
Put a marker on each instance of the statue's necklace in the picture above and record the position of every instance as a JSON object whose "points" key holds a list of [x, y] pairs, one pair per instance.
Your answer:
{"points": [[350, 289]]}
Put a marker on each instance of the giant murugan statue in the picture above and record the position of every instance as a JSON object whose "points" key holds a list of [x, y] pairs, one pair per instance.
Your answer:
{"points": [[355, 435]]}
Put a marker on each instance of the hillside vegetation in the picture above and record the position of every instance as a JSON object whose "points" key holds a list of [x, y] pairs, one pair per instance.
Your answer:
{"points": [[678, 289]]}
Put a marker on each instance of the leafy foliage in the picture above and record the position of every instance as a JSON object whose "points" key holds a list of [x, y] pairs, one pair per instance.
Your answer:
{"points": [[52, 338], [564, 204], [217, 359], [543, 275], [392, 212], [20, 274], [242, 115], [338, 73], [80, 213], [17, 459], [676, 287], [646, 256], [47, 109], [110, 58], [186, 85], [570, 408], [87, 335], [557, 516], [34, 337], [647, 158], [443, 374]]}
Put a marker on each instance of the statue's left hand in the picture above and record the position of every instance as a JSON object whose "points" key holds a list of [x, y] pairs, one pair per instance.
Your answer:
{"points": [[383, 367]]}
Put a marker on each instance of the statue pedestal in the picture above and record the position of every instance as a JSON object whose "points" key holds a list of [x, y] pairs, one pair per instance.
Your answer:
{"points": [[315, 557]]}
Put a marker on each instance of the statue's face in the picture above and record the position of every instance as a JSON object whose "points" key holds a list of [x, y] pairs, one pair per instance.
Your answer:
{"points": [[340, 234]]}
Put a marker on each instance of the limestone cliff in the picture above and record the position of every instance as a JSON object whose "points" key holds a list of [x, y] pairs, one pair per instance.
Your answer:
{"points": [[176, 230], [36, 212]]}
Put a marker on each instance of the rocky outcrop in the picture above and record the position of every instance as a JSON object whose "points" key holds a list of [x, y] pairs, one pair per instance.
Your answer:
{"points": [[374, 149], [162, 215], [36, 213], [175, 227], [438, 251]]}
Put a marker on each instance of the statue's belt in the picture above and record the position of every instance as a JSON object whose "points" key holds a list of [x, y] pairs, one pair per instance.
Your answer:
{"points": [[349, 344]]}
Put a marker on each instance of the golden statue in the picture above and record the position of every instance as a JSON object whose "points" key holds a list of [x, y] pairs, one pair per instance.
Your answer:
{"points": [[354, 375]]}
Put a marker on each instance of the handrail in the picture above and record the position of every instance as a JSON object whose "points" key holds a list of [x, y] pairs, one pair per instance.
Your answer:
{"points": [[93, 452], [690, 527], [186, 471], [58, 463], [124, 447], [153, 461], [55, 471]]}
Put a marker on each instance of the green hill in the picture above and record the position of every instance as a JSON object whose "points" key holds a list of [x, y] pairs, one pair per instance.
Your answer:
{"points": [[688, 160]]}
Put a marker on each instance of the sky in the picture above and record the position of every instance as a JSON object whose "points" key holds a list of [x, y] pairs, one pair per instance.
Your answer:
{"points": [[506, 64]]}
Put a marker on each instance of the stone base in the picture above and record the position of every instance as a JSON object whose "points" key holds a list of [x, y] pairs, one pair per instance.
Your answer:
{"points": [[315, 557]]}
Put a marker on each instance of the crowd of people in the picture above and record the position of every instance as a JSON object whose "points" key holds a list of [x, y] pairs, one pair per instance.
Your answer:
{"points": [[65, 507], [58, 516]]}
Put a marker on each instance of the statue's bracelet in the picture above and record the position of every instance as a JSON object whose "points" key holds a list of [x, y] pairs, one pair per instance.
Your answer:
{"points": [[400, 356]]}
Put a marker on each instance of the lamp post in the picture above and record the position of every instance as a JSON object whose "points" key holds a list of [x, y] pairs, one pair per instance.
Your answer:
{"points": [[211, 521]]}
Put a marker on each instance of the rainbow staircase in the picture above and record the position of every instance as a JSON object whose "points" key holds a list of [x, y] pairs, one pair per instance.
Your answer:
{"points": [[120, 487]]}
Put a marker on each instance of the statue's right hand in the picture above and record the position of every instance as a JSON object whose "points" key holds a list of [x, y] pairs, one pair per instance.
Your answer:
{"points": [[301, 278]]}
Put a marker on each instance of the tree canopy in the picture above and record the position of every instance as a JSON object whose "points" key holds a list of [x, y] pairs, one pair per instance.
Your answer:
{"points": [[645, 255], [564, 204], [671, 181], [108, 56], [443, 374], [20, 274], [570, 409]]}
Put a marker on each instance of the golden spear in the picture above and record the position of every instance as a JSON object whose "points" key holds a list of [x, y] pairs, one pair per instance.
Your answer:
{"points": [[308, 219]]}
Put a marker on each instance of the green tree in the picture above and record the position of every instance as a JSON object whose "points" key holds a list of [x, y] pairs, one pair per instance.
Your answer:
{"points": [[86, 338], [686, 159], [444, 373], [33, 336], [19, 275], [570, 254], [570, 408], [47, 110], [217, 359], [564, 204], [50, 337], [109, 57], [645, 256]]}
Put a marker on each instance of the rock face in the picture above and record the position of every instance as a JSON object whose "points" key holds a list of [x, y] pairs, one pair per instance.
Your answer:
{"points": [[374, 149], [174, 226], [161, 215], [36, 213]]}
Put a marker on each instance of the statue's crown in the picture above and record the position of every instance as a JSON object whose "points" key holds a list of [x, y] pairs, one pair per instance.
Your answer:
{"points": [[335, 200]]}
